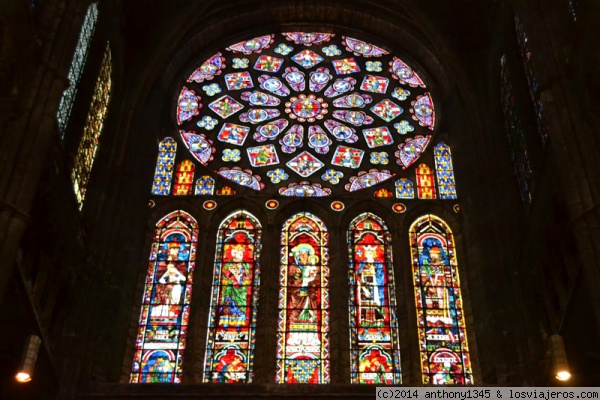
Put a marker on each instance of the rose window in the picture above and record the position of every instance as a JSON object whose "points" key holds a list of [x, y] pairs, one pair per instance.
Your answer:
{"points": [[306, 114]]}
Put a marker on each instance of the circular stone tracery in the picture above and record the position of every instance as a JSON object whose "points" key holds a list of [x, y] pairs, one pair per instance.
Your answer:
{"points": [[251, 110]]}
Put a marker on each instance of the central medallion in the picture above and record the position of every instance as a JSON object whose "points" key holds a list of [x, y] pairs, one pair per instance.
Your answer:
{"points": [[306, 108]]}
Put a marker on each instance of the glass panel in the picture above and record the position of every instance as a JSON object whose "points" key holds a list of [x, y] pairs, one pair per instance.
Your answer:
{"points": [[164, 316], [445, 356], [234, 303], [88, 145], [302, 338], [374, 347]]}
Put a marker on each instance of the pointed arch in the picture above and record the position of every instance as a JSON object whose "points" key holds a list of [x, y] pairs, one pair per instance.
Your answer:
{"points": [[445, 355], [374, 347], [234, 302], [303, 326], [164, 315], [164, 167]]}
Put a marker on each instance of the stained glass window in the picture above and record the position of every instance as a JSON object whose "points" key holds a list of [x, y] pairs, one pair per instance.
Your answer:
{"points": [[184, 178], [374, 348], [164, 316], [292, 114], [205, 186], [445, 358], [425, 183], [232, 324], [405, 189], [444, 171], [88, 145], [514, 132], [164, 167], [77, 64], [303, 327], [534, 87]]}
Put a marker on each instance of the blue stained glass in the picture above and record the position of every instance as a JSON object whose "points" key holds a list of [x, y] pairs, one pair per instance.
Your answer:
{"points": [[405, 189], [444, 171], [205, 186], [164, 167]]}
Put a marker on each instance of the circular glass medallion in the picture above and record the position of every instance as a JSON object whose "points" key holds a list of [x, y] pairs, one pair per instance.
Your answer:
{"points": [[423, 110], [258, 98], [319, 77], [355, 118], [252, 44], [257, 115], [404, 73], [272, 84], [341, 86], [355, 100], [270, 131], [399, 208], [294, 77], [306, 108], [342, 131]]}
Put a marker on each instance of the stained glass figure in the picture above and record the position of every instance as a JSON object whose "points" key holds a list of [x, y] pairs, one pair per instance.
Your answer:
{"points": [[411, 150], [184, 178], [374, 346], [305, 164], [234, 302], [199, 145], [205, 186], [345, 66], [239, 80], [405, 74], [163, 322], [207, 71], [90, 139], [445, 358], [75, 70], [308, 38], [425, 183], [387, 110], [360, 48], [188, 105], [303, 327], [514, 132], [532, 83], [161, 185], [306, 108], [262, 156], [377, 137], [307, 58], [444, 171], [347, 157], [422, 111], [255, 45], [367, 179], [234, 134], [375, 84], [268, 63], [225, 106], [405, 189], [304, 189]]}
